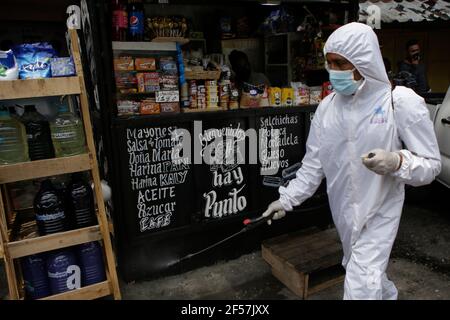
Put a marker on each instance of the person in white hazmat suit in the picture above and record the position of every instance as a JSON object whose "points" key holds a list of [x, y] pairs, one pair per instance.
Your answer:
{"points": [[368, 141]]}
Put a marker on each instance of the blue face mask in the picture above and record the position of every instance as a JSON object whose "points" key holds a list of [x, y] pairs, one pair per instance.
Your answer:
{"points": [[343, 82]]}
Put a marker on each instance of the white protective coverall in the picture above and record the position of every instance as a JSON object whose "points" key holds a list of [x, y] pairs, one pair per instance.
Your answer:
{"points": [[366, 207]]}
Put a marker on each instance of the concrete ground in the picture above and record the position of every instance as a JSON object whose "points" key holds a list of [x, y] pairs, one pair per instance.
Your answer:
{"points": [[419, 266]]}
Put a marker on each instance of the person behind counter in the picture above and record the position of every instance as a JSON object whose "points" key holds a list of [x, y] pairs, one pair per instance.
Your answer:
{"points": [[243, 72], [414, 66]]}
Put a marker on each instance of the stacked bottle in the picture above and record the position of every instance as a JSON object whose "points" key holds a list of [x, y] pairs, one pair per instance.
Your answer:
{"points": [[80, 202], [49, 209], [35, 276], [38, 134], [13, 139], [67, 133]]}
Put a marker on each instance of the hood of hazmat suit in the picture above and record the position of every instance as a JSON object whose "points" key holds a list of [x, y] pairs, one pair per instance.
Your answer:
{"points": [[366, 207]]}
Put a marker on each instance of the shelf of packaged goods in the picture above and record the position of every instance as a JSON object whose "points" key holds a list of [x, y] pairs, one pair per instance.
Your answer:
{"points": [[50, 242], [33, 88], [44, 168], [93, 291]]}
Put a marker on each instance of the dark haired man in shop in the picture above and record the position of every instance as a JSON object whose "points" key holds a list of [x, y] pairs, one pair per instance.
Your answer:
{"points": [[243, 71], [413, 65]]}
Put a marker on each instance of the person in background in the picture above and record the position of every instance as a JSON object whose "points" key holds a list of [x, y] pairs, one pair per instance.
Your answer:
{"points": [[243, 71], [368, 141], [413, 65]]}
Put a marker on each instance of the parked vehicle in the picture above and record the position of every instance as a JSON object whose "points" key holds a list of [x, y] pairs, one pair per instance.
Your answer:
{"points": [[440, 115]]}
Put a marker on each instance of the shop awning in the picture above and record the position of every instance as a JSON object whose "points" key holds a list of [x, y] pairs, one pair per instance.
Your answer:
{"points": [[407, 10]]}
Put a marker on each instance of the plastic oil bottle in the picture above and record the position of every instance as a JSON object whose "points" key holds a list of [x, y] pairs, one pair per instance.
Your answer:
{"points": [[49, 209], [13, 139], [67, 133], [80, 200], [38, 134]]}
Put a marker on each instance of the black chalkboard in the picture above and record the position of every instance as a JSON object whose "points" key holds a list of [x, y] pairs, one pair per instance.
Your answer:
{"points": [[281, 143], [157, 190], [222, 182]]}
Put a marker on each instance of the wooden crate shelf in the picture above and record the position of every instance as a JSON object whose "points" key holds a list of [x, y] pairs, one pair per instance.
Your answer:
{"points": [[58, 240], [44, 168], [17, 234], [94, 291], [32, 88]]}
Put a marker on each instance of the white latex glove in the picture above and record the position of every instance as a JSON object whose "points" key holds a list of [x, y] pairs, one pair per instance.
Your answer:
{"points": [[382, 162], [274, 207]]}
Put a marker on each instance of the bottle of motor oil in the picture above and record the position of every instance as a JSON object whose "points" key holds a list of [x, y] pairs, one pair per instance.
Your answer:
{"points": [[80, 201], [90, 258], [49, 209], [63, 271], [34, 272], [38, 134]]}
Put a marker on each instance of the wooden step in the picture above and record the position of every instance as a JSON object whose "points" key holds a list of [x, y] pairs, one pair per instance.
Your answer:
{"points": [[44, 168], [32, 88], [306, 261]]}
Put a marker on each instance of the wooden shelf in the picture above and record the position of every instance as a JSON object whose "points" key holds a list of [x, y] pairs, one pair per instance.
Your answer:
{"points": [[202, 75], [44, 168], [1, 252], [32, 88], [180, 40], [94, 291], [188, 110], [50, 242]]}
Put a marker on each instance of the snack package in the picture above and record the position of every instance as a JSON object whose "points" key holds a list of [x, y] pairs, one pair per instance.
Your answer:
{"points": [[127, 107], [301, 93], [168, 82], [168, 65], [275, 96], [149, 106], [126, 80], [34, 60], [250, 99], [170, 107], [234, 97], [62, 67], [124, 64], [265, 98], [287, 97], [145, 64], [9, 70], [140, 82], [148, 82], [315, 95]]}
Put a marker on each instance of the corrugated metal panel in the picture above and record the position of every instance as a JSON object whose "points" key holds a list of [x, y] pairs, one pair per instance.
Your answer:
{"points": [[404, 11]]}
